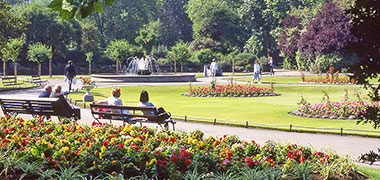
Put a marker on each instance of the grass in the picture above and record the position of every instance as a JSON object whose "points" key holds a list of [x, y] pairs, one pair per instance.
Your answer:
{"points": [[265, 110], [289, 79], [372, 172], [200, 75]]}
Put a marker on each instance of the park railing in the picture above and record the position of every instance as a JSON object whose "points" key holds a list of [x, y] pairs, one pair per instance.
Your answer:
{"points": [[248, 124]]}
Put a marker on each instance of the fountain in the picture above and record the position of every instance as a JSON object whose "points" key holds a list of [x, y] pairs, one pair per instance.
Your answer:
{"points": [[144, 69]]}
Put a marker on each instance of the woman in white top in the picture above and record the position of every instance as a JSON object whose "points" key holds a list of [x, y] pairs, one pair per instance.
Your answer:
{"points": [[57, 92], [115, 100], [256, 72], [213, 67]]}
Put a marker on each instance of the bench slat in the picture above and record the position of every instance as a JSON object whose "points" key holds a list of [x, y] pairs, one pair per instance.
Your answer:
{"points": [[143, 108]]}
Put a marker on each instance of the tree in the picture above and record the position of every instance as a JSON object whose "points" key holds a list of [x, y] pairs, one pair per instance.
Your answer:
{"points": [[175, 23], [39, 53], [89, 60], [90, 37], [179, 53], [149, 35], [120, 50], [329, 32], [214, 19], [203, 56], [11, 26], [79, 8], [12, 51], [366, 27]]}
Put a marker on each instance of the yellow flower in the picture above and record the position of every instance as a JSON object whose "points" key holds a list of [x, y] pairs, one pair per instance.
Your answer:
{"points": [[127, 128], [51, 146], [166, 135], [38, 142], [153, 161], [65, 149], [44, 142], [189, 140], [114, 162], [25, 122], [32, 151], [201, 143], [258, 156], [100, 156], [42, 155], [103, 149], [195, 141], [114, 173]]}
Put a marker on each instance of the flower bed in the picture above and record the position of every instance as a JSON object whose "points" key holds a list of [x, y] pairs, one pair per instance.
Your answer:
{"points": [[230, 91], [335, 110], [43, 149], [344, 80], [87, 81]]}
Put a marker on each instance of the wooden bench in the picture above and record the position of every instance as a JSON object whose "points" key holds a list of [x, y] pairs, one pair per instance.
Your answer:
{"points": [[10, 81], [36, 79], [136, 114], [45, 107]]}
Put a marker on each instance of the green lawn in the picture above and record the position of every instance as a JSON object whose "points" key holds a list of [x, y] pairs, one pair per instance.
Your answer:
{"points": [[372, 172], [266, 110], [290, 79]]}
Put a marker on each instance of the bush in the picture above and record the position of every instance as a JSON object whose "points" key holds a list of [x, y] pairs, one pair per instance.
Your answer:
{"points": [[244, 62]]}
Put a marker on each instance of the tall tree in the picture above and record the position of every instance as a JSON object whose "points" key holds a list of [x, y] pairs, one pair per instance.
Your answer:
{"points": [[11, 26], [329, 32], [179, 53], [149, 36], [121, 50], [175, 23], [366, 27], [89, 60], [12, 51], [39, 53], [79, 8], [214, 19]]}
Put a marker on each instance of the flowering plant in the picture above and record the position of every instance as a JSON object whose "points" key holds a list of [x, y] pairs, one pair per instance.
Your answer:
{"points": [[139, 151], [337, 109], [87, 81], [230, 90]]}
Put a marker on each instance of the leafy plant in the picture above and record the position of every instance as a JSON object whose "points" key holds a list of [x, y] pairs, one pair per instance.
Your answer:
{"points": [[228, 175], [302, 170], [249, 174], [70, 172]]}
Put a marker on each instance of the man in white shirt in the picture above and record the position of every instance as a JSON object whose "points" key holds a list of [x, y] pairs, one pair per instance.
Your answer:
{"points": [[256, 72]]}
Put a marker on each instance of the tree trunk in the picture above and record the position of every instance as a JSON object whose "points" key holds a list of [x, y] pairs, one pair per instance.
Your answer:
{"points": [[89, 67], [117, 67], [4, 66], [175, 66], [50, 70], [181, 66], [233, 67], [39, 69], [15, 68]]}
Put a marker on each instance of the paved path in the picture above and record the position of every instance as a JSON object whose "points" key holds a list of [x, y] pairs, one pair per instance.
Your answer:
{"points": [[351, 145]]}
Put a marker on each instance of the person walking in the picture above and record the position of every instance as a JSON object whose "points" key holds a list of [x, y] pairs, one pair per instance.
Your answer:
{"points": [[256, 72], [213, 68], [70, 73], [271, 66]]}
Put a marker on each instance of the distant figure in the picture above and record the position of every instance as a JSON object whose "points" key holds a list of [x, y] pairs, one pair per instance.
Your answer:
{"points": [[46, 93], [271, 66], [70, 73], [256, 72], [57, 92], [144, 101], [213, 68]]}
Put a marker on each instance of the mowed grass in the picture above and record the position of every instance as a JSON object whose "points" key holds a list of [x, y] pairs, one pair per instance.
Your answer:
{"points": [[372, 172], [291, 79], [265, 110]]}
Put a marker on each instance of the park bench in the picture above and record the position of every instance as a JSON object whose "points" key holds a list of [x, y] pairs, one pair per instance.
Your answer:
{"points": [[114, 112], [10, 82], [36, 79], [39, 107]]}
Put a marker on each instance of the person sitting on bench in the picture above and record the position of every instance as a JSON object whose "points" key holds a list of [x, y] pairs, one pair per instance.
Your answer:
{"points": [[144, 101], [46, 93], [115, 100], [57, 92]]}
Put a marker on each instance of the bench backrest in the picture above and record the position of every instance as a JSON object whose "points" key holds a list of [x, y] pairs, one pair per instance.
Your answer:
{"points": [[36, 77], [39, 106], [9, 81], [117, 111]]}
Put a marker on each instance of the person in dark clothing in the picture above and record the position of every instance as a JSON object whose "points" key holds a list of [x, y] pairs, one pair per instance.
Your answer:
{"points": [[70, 73], [46, 93]]}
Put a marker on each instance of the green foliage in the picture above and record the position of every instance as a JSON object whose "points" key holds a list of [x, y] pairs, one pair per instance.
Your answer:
{"points": [[90, 36], [12, 49], [180, 52], [80, 8], [244, 61], [39, 53], [89, 56], [121, 50], [159, 51], [205, 56], [149, 35]]}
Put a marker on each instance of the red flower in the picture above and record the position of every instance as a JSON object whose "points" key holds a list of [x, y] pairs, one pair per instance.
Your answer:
{"points": [[188, 162], [105, 143], [87, 143]]}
